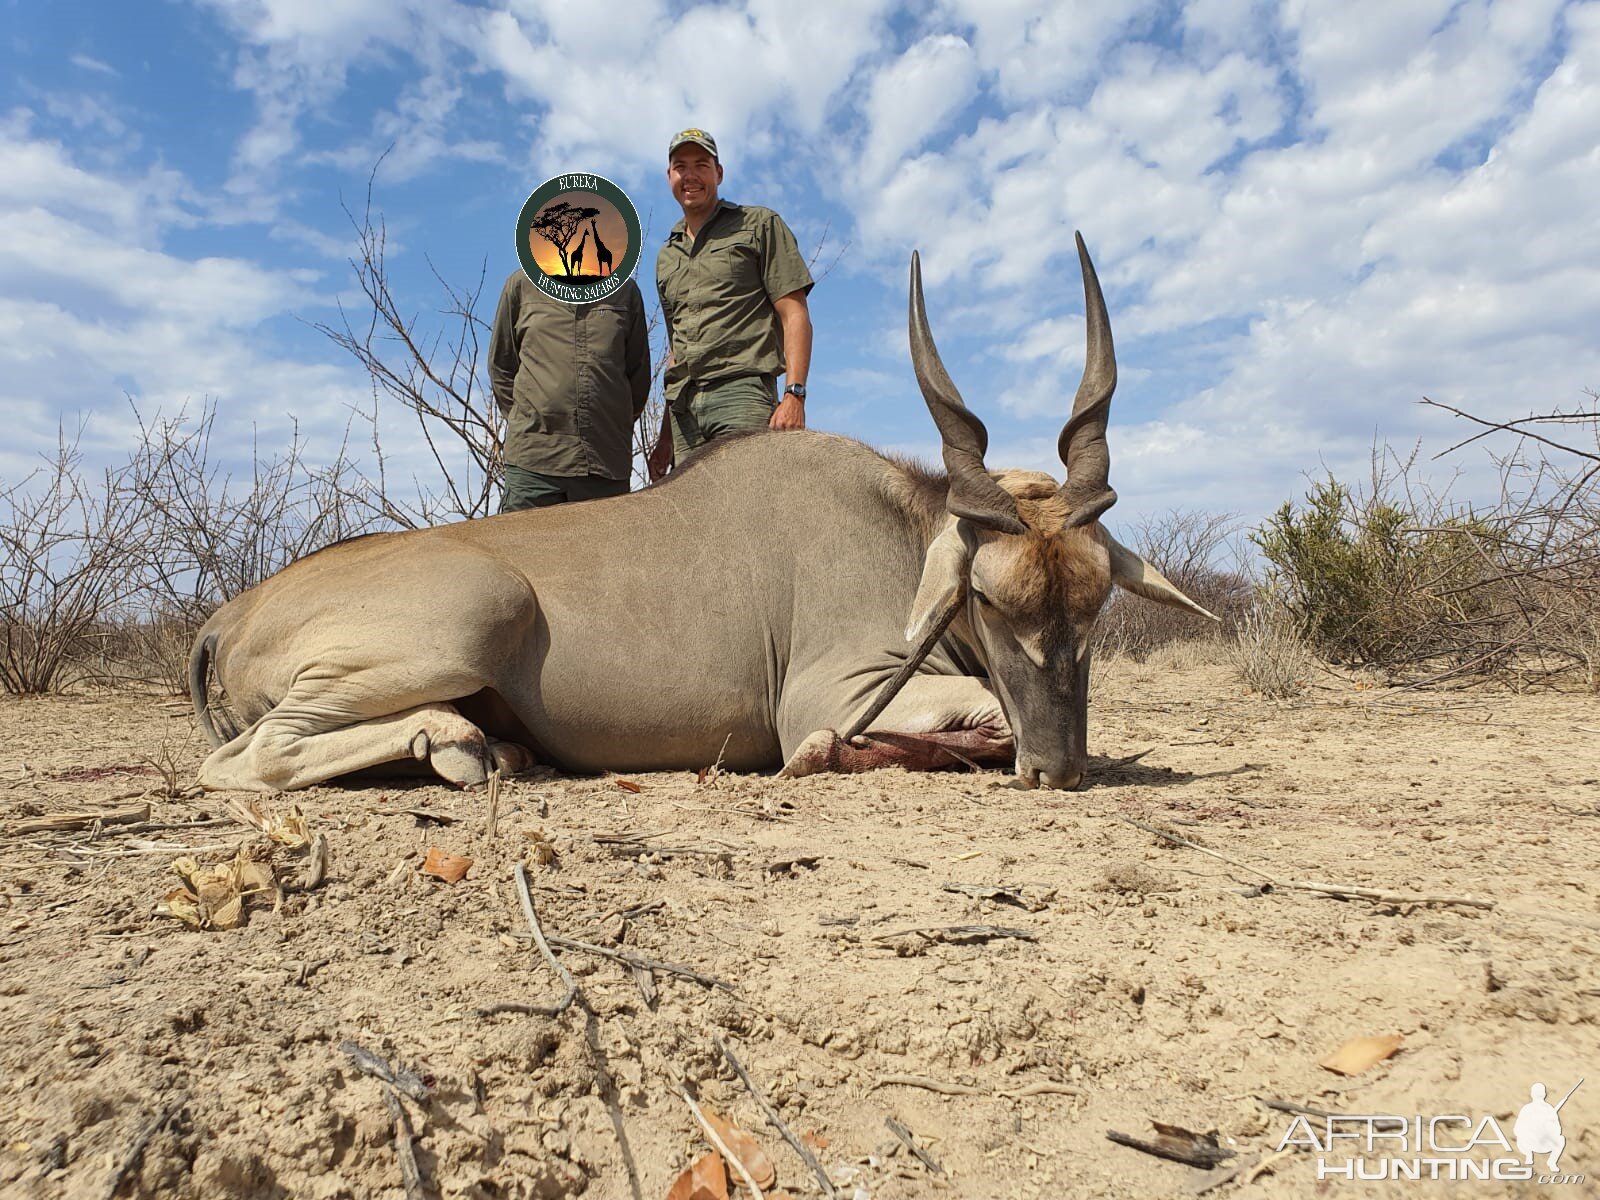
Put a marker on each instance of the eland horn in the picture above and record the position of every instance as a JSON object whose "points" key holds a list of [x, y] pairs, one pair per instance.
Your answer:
{"points": [[1082, 445], [973, 492]]}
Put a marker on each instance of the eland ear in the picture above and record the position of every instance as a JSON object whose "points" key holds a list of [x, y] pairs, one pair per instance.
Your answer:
{"points": [[1130, 571], [944, 577]]}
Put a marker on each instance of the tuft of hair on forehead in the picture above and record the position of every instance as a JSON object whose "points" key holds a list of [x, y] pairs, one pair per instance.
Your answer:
{"points": [[1039, 501], [1058, 569]]}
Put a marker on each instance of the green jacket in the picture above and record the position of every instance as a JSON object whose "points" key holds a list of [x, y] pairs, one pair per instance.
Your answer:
{"points": [[717, 293], [571, 379]]}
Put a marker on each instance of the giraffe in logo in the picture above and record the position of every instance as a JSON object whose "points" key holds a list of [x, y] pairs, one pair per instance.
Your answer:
{"points": [[577, 255], [601, 252]]}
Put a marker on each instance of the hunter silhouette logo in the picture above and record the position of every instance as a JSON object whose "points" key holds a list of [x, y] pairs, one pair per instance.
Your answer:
{"points": [[578, 237], [1538, 1127]]}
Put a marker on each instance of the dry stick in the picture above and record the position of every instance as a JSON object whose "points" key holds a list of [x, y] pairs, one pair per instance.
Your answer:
{"points": [[136, 1151], [520, 874], [374, 1065], [1344, 891], [930, 1085], [961, 933], [1297, 1109], [648, 964], [711, 1136], [774, 1119], [493, 822], [1044, 1088], [910, 1143], [83, 820], [404, 1145]]}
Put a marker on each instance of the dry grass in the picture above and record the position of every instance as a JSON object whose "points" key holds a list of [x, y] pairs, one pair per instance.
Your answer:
{"points": [[1270, 657]]}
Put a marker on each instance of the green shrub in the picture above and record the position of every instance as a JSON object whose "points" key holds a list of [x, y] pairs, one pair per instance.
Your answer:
{"points": [[1376, 581]]}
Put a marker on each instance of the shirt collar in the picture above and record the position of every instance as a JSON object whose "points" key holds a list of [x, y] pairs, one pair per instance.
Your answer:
{"points": [[681, 229]]}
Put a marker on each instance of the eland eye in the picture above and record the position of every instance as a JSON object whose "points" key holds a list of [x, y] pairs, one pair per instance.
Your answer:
{"points": [[982, 599]]}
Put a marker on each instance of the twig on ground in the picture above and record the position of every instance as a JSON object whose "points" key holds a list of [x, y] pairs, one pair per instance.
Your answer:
{"points": [[960, 933], [649, 964], [728, 1156], [775, 1120], [1340, 890], [493, 821], [404, 1145], [1045, 1087], [929, 1085], [1181, 841], [60, 822], [130, 1160], [520, 875], [910, 1143], [374, 1065]]}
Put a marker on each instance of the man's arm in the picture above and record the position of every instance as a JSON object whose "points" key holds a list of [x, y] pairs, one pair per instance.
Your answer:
{"points": [[638, 353], [795, 317], [504, 356]]}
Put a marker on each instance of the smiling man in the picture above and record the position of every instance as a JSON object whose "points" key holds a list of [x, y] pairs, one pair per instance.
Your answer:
{"points": [[733, 288]]}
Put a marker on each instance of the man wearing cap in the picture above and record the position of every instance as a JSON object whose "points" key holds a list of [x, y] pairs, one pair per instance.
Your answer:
{"points": [[733, 290], [571, 380]]}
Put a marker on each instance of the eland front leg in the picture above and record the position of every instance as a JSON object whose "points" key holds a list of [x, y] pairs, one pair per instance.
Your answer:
{"points": [[936, 722]]}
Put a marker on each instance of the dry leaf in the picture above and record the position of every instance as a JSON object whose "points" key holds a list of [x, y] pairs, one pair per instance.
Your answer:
{"points": [[815, 1141], [629, 785], [746, 1149], [288, 828], [182, 904], [214, 897], [1358, 1054], [707, 1179], [449, 867], [543, 849], [700, 777]]}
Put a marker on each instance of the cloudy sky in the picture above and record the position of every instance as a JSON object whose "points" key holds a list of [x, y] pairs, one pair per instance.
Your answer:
{"points": [[1307, 214]]}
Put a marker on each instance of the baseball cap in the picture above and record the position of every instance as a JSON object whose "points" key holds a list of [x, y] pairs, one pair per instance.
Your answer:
{"points": [[698, 136]]}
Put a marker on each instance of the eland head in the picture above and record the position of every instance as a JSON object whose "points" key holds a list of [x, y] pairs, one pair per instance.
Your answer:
{"points": [[1026, 560]]}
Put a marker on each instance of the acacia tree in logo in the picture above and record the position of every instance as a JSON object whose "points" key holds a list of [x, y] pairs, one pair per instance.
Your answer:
{"points": [[557, 223]]}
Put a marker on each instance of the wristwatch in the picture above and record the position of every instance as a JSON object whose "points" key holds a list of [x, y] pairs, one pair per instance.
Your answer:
{"points": [[797, 390]]}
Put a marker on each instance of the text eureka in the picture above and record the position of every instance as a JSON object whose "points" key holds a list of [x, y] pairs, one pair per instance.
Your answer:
{"points": [[1396, 1147], [571, 183]]}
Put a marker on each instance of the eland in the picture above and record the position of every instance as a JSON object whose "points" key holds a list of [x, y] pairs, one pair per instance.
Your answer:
{"points": [[785, 599]]}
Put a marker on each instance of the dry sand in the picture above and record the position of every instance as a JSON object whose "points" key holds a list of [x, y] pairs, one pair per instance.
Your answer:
{"points": [[1153, 988]]}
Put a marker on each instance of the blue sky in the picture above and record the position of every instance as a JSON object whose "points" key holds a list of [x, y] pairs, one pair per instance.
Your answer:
{"points": [[1307, 215]]}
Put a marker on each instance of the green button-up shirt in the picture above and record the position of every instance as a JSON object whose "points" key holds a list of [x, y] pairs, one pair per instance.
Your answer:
{"points": [[717, 292], [571, 379]]}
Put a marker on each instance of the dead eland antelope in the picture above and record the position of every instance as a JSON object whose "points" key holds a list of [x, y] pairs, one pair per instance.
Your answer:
{"points": [[753, 605]]}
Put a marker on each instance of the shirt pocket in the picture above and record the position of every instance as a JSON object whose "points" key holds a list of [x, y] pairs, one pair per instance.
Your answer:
{"points": [[606, 335], [734, 265]]}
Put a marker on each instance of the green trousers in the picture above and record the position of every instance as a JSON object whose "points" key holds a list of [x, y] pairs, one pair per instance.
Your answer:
{"points": [[702, 414], [530, 489]]}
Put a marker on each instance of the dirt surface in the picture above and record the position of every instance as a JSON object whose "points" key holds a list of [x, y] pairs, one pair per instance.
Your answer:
{"points": [[1148, 986]]}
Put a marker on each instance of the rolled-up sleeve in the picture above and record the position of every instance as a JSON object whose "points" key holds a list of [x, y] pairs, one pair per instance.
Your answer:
{"points": [[784, 268]]}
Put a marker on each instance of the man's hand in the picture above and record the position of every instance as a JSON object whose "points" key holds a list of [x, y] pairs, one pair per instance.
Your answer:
{"points": [[790, 414], [659, 460]]}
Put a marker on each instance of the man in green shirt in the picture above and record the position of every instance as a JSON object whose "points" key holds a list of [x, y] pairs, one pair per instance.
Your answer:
{"points": [[571, 380], [733, 288]]}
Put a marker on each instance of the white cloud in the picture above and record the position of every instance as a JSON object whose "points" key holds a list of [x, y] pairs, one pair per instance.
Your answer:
{"points": [[913, 97]]}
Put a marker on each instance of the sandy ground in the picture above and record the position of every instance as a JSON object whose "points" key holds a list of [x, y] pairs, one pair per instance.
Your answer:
{"points": [[1152, 983]]}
